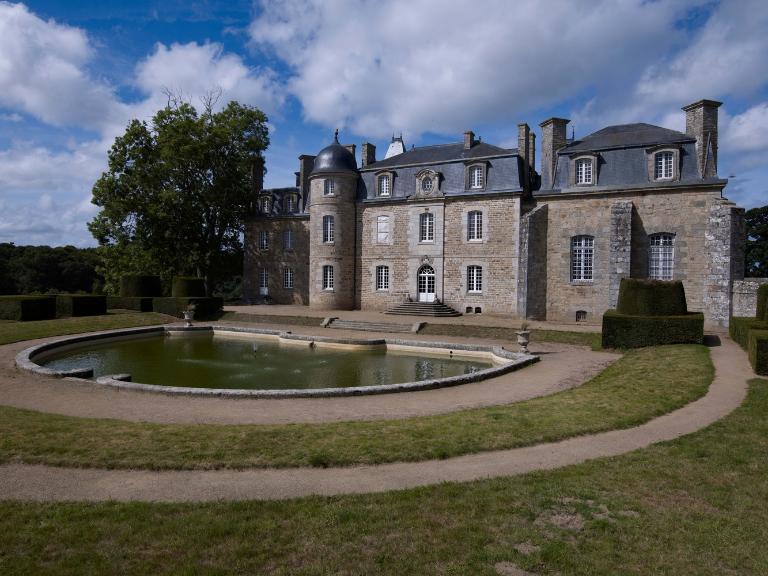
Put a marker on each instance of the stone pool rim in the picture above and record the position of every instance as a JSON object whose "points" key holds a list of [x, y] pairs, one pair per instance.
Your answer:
{"points": [[511, 361]]}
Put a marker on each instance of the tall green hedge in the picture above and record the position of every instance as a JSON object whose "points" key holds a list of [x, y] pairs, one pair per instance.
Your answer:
{"points": [[204, 307], [642, 297], [80, 305], [23, 308], [758, 351], [626, 331], [138, 286], [188, 287], [762, 303], [739, 327], [129, 303]]}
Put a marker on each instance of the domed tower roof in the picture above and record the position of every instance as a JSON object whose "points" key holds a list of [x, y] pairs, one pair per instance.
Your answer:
{"points": [[334, 158]]}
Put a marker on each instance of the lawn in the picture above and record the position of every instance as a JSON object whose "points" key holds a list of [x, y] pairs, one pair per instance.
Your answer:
{"points": [[694, 506], [639, 386]]}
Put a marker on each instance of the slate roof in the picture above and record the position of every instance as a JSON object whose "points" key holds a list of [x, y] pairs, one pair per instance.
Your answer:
{"points": [[626, 136], [441, 153]]}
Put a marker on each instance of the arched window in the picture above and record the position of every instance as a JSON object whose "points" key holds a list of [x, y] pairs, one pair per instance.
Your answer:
{"points": [[328, 187], [582, 258], [385, 185], [427, 227], [661, 256], [328, 229], [382, 277], [327, 277], [476, 177], [474, 279], [475, 225], [584, 171], [664, 165]]}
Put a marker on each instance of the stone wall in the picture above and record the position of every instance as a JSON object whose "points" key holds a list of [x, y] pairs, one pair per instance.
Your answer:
{"points": [[532, 275], [745, 296]]}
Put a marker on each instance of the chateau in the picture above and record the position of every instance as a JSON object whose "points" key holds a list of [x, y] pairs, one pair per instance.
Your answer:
{"points": [[475, 227]]}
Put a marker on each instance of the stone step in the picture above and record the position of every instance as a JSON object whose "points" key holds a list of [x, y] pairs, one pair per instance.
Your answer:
{"points": [[370, 326], [423, 309]]}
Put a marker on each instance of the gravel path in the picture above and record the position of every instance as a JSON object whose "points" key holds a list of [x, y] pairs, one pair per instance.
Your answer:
{"points": [[43, 483], [562, 367]]}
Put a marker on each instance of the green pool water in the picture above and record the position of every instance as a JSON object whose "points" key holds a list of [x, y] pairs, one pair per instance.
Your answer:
{"points": [[204, 361]]}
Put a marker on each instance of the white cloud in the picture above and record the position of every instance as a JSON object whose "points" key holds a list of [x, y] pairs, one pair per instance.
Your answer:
{"points": [[748, 131]]}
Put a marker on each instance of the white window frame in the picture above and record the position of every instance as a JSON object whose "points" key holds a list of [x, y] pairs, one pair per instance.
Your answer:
{"points": [[427, 227], [263, 278], [382, 278], [288, 278], [287, 239], [664, 165], [290, 203], [328, 277], [264, 204], [582, 258], [384, 190], [474, 279], [263, 240], [329, 229], [329, 187], [475, 226], [585, 171], [476, 177], [661, 256], [383, 229]]}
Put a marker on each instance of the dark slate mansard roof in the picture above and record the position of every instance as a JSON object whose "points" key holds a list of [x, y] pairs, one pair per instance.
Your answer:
{"points": [[440, 153]]}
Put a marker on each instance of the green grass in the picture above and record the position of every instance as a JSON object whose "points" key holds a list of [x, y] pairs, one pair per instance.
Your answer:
{"points": [[270, 319], [695, 506], [18, 331], [639, 386], [591, 339]]}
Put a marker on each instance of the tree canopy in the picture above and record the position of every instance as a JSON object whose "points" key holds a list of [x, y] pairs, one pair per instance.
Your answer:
{"points": [[177, 190], [40, 269], [756, 264]]}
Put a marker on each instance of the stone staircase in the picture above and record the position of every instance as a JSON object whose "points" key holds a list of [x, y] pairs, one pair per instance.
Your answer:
{"points": [[390, 327], [423, 309]]}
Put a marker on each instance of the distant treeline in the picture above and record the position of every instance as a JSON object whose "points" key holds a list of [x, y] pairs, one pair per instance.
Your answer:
{"points": [[43, 269]]}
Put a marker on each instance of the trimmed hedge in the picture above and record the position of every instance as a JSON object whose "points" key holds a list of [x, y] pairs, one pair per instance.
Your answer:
{"points": [[631, 331], [642, 297], [762, 303], [130, 303], [758, 351], [740, 326], [188, 287], [23, 308], [80, 305], [204, 307], [140, 286]]}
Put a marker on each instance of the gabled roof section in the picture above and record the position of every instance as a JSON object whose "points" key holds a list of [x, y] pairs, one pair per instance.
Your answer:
{"points": [[440, 153], [626, 136]]}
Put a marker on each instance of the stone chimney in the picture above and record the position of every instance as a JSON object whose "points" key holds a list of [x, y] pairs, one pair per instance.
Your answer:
{"points": [[306, 165], [532, 153], [701, 123], [352, 148], [524, 151], [552, 139], [469, 139], [368, 155], [257, 174]]}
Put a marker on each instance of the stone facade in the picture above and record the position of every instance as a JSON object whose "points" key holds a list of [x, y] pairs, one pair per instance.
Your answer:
{"points": [[745, 296]]}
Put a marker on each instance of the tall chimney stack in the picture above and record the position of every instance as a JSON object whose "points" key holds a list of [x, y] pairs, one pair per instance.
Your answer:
{"points": [[552, 139], [352, 148], [306, 165], [368, 154], [524, 151], [532, 152], [701, 123], [469, 139]]}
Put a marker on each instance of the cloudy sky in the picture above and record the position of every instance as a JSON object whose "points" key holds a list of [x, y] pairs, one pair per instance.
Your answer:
{"points": [[74, 72]]}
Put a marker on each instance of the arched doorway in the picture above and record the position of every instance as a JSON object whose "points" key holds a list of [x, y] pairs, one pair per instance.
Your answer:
{"points": [[426, 284]]}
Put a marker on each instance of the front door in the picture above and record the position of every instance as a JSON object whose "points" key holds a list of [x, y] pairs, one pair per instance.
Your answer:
{"points": [[426, 284]]}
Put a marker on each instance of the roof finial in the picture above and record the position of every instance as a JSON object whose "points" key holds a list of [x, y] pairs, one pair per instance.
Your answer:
{"points": [[336, 136]]}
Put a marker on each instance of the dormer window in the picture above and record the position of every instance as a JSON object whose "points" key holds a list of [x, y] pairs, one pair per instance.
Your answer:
{"points": [[384, 185], [584, 171], [427, 184], [664, 165], [290, 203], [476, 177], [328, 187], [264, 204]]}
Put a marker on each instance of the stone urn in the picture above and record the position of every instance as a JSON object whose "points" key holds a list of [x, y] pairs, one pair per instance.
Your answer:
{"points": [[189, 315], [523, 338]]}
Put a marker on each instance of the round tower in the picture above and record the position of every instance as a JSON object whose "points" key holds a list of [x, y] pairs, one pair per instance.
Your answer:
{"points": [[333, 192]]}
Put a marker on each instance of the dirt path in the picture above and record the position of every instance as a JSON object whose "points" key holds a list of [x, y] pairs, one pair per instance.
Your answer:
{"points": [[44, 483], [562, 367]]}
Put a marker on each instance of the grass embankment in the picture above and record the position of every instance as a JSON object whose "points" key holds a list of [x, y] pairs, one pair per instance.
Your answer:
{"points": [[270, 319], [639, 386], [694, 506], [17, 331]]}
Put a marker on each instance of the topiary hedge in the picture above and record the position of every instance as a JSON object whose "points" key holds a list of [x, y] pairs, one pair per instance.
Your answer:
{"points": [[642, 297], [140, 285], [204, 307], [629, 331], [23, 308], [740, 326], [757, 349], [129, 303], [80, 305], [188, 287], [762, 303]]}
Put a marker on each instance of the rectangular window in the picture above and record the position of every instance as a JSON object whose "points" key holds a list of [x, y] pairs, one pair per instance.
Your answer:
{"points": [[476, 177], [263, 240], [584, 171], [384, 186], [290, 203], [474, 279], [661, 257], [664, 166], [328, 229], [382, 277], [328, 187], [263, 278], [382, 230], [288, 278], [327, 277], [475, 225], [582, 258], [427, 227], [288, 239]]}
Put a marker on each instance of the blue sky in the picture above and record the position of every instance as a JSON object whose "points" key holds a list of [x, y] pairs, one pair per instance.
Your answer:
{"points": [[73, 73]]}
